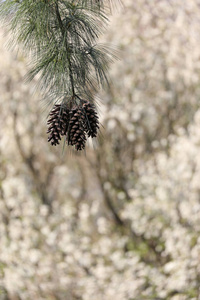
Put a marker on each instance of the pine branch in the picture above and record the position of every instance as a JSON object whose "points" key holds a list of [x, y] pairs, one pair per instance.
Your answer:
{"points": [[61, 38], [67, 48]]}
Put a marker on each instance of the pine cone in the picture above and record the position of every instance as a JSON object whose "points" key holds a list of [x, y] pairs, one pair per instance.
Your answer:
{"points": [[76, 134], [77, 124], [58, 124], [92, 119]]}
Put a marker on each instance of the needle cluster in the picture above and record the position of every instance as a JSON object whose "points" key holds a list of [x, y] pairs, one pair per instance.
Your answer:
{"points": [[61, 37]]}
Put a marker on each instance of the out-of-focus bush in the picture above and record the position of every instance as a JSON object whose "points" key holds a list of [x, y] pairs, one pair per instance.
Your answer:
{"points": [[123, 221]]}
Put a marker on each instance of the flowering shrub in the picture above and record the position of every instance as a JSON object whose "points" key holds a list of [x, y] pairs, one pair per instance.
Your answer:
{"points": [[122, 221]]}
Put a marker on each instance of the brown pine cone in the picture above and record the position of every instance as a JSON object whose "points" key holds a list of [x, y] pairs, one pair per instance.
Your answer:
{"points": [[92, 119], [58, 124], [76, 134]]}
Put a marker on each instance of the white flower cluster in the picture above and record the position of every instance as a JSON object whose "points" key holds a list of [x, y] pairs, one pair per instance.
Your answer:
{"points": [[122, 222]]}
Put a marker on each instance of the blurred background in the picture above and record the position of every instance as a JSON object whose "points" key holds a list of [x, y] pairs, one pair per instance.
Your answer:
{"points": [[123, 220]]}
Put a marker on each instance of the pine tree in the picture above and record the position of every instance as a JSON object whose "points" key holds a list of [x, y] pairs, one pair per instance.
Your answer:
{"points": [[61, 38]]}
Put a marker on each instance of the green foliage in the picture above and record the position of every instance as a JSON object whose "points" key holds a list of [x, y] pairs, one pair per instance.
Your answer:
{"points": [[61, 37]]}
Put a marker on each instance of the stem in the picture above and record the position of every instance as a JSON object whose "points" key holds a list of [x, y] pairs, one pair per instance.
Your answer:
{"points": [[68, 55]]}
